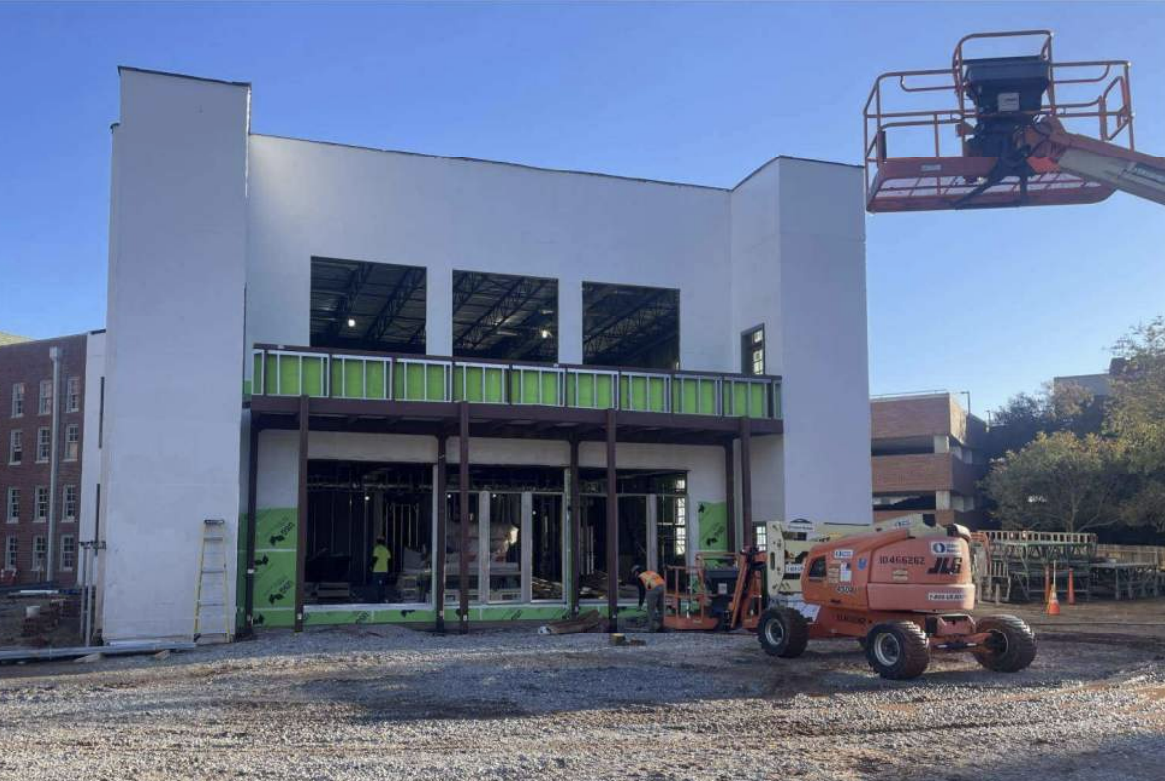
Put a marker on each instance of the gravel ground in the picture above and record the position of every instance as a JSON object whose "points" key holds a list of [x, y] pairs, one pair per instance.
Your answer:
{"points": [[391, 703]]}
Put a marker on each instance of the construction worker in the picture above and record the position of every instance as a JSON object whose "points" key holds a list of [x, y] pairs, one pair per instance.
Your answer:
{"points": [[650, 586], [381, 556]]}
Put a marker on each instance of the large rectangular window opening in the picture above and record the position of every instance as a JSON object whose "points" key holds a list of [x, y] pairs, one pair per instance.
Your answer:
{"points": [[369, 533], [515, 543], [628, 325], [356, 305], [652, 527], [505, 317]]}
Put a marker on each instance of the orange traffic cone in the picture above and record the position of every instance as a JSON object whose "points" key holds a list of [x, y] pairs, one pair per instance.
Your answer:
{"points": [[1053, 600], [1071, 588]]}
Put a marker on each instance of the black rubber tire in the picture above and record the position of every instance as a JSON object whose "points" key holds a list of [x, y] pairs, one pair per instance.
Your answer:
{"points": [[898, 650], [1012, 646], [783, 632]]}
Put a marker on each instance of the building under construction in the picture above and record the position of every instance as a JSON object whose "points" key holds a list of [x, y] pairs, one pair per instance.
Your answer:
{"points": [[348, 384]]}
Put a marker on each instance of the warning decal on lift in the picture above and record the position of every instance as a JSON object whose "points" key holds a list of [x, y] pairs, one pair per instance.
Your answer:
{"points": [[944, 596]]}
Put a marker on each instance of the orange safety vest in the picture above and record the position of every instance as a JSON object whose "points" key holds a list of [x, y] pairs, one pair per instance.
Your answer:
{"points": [[650, 579]]}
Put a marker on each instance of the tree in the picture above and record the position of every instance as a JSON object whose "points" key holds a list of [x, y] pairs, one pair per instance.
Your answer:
{"points": [[1058, 482], [1136, 416], [1066, 408]]}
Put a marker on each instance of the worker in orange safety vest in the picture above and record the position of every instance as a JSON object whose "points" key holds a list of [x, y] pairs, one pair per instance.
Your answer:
{"points": [[650, 585]]}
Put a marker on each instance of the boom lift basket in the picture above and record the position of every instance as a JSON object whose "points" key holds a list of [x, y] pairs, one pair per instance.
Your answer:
{"points": [[970, 151]]}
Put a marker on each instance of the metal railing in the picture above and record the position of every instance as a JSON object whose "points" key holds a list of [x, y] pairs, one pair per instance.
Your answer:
{"points": [[321, 373]]}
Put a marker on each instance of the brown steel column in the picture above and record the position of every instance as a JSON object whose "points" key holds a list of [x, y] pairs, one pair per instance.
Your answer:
{"points": [[463, 490], [438, 557], [730, 494], [249, 557], [746, 481], [612, 529], [573, 531], [301, 515]]}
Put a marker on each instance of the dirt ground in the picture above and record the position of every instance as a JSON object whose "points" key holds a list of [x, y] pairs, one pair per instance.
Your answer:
{"points": [[388, 703]]}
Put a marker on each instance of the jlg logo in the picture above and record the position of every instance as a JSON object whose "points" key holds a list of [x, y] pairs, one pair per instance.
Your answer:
{"points": [[946, 565]]}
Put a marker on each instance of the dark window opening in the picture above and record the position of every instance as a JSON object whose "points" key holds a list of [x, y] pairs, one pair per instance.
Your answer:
{"points": [[505, 317], [752, 351], [905, 502], [367, 306], [356, 512], [817, 569], [903, 446], [626, 325]]}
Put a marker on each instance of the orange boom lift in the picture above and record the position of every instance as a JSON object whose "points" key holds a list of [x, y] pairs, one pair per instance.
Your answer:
{"points": [[903, 597], [1022, 130]]}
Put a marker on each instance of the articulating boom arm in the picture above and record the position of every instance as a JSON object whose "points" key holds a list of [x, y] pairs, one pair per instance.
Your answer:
{"points": [[1053, 148]]}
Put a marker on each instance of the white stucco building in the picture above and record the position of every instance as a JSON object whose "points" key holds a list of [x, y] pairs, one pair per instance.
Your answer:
{"points": [[300, 333]]}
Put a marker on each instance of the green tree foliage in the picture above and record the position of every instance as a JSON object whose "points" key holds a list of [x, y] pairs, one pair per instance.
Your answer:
{"points": [[1071, 464], [1136, 417], [1058, 482], [1067, 408]]}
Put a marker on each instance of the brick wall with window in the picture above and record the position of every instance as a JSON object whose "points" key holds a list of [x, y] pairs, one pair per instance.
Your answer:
{"points": [[26, 373]]}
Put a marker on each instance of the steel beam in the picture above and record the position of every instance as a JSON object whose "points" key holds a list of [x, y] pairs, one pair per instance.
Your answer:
{"points": [[439, 546], [746, 481], [612, 528], [573, 532], [301, 514], [463, 491], [249, 558]]}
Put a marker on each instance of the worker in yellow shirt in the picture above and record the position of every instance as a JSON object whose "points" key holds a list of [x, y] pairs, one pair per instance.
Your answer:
{"points": [[650, 585], [381, 556]]}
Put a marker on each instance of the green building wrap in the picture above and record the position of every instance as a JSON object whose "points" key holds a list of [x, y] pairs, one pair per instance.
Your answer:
{"points": [[713, 526]]}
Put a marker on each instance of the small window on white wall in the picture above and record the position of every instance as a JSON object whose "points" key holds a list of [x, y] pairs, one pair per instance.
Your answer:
{"points": [[752, 351]]}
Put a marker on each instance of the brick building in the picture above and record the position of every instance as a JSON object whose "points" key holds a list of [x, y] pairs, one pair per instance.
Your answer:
{"points": [[41, 528], [927, 458]]}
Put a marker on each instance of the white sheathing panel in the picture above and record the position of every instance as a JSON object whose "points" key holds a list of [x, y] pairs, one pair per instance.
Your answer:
{"points": [[321, 199], [174, 345], [798, 268], [823, 349]]}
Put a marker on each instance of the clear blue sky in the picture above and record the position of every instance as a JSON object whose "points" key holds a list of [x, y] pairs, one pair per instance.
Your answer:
{"points": [[992, 302]]}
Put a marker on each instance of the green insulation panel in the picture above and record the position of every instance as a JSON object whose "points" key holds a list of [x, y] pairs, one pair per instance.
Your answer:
{"points": [[691, 396], [590, 391], [356, 378], [534, 386], [643, 394], [745, 399], [257, 374], [294, 375], [479, 384], [419, 381], [713, 528]]}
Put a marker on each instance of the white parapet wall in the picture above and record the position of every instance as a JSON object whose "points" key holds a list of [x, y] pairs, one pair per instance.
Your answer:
{"points": [[174, 344], [799, 269]]}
